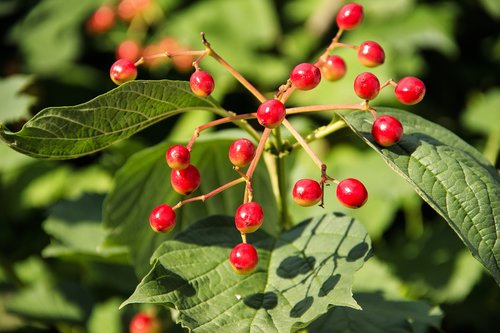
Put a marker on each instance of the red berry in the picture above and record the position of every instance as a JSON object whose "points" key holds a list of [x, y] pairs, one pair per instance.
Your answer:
{"points": [[241, 152], [271, 113], [371, 54], [128, 9], [249, 217], [305, 76], [410, 90], [101, 20], [387, 130], [162, 218], [352, 193], [334, 68], [366, 86], [350, 16], [202, 83], [123, 70], [186, 180], [178, 157], [129, 49], [145, 323], [307, 192], [243, 258]]}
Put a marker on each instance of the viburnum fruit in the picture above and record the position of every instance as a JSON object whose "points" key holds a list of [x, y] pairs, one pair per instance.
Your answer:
{"points": [[349, 16], [387, 130], [162, 218], [305, 76], [123, 70], [352, 193], [101, 20], [249, 217], [241, 152], [410, 90], [128, 9], [243, 258], [202, 83], [129, 49], [333, 68], [307, 192], [371, 54], [145, 323], [186, 180], [271, 113], [178, 157], [366, 86]]}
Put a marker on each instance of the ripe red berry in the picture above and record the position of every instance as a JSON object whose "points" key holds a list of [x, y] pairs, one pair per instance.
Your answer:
{"points": [[387, 130], [241, 152], [145, 323], [249, 217], [128, 9], [307, 192], [243, 258], [129, 49], [271, 113], [178, 157], [202, 83], [101, 20], [305, 76], [366, 86], [352, 193], [349, 16], [410, 90], [334, 68], [162, 218], [186, 180], [123, 70], [371, 54]]}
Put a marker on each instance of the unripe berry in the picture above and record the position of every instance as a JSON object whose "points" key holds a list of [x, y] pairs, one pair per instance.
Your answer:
{"points": [[178, 157], [305, 76], [352, 193], [333, 68], [162, 218], [186, 180], [366, 86], [145, 323], [129, 49], [371, 54], [241, 152], [249, 217], [387, 130], [307, 192], [410, 90], [271, 113], [123, 70], [243, 258], [349, 16], [101, 20], [202, 83]]}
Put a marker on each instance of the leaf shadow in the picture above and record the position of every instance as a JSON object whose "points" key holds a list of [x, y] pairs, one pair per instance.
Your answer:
{"points": [[267, 300], [170, 281]]}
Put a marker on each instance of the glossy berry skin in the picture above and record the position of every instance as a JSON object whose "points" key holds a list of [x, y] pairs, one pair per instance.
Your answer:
{"points": [[202, 83], [352, 193], [334, 68], [349, 16], [387, 130], [366, 86], [123, 70], [241, 152], [186, 180], [162, 218], [249, 217], [271, 113], [307, 192], [410, 90], [243, 258], [178, 157], [371, 54], [144, 323], [305, 76]]}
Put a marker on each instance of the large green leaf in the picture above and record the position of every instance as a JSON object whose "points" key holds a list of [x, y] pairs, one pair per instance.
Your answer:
{"points": [[69, 132], [299, 275], [453, 177]]}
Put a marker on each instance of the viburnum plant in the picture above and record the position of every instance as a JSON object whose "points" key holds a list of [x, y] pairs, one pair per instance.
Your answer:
{"points": [[256, 270]]}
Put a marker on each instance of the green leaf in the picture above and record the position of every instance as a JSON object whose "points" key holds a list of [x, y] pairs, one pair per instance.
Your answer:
{"points": [[105, 318], [299, 275], [15, 104], [453, 177], [480, 114], [70, 132]]}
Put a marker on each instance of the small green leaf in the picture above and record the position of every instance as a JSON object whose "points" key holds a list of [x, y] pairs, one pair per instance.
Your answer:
{"points": [[299, 275], [15, 104], [453, 177]]}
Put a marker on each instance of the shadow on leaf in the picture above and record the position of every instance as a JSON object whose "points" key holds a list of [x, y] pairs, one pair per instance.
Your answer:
{"points": [[292, 266], [268, 301], [328, 285], [301, 307], [358, 251]]}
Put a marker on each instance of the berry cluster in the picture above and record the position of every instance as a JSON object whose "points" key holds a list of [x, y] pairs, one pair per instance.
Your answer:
{"points": [[271, 114]]}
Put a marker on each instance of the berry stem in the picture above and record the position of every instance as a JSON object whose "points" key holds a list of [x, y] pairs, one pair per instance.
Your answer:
{"points": [[389, 82], [322, 132], [304, 144], [327, 107], [170, 55], [330, 47], [253, 164]]}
